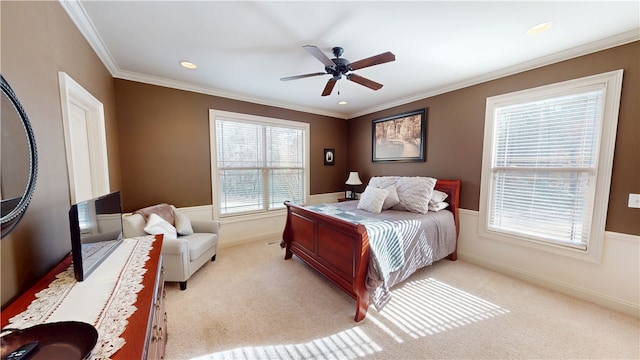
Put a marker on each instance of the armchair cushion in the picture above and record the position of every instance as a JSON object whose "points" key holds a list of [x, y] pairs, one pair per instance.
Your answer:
{"points": [[157, 225], [199, 243], [183, 224]]}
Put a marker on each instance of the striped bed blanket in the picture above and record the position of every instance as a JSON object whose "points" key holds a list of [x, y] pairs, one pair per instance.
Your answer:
{"points": [[401, 243]]}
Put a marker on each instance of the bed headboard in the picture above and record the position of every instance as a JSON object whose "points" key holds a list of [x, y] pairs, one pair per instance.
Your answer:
{"points": [[452, 188]]}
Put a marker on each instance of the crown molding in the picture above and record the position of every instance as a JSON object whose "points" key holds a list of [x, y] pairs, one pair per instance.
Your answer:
{"points": [[604, 44], [179, 85], [79, 17]]}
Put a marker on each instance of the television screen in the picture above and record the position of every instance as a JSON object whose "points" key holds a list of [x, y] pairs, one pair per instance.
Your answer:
{"points": [[96, 230]]}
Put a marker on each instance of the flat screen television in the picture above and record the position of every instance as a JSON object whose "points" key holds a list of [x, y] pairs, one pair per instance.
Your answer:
{"points": [[96, 231]]}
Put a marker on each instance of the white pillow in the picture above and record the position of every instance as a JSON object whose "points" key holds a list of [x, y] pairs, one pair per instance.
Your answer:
{"points": [[414, 193], [372, 199], [183, 224], [437, 206], [157, 225], [383, 182], [438, 196], [391, 199]]}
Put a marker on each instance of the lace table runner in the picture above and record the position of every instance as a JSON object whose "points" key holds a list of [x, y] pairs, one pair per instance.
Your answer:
{"points": [[104, 299]]}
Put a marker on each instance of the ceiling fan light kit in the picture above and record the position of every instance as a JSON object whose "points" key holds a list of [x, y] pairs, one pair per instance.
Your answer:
{"points": [[338, 66]]}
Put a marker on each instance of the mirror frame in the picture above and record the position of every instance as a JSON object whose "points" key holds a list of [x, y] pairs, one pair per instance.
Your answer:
{"points": [[10, 220]]}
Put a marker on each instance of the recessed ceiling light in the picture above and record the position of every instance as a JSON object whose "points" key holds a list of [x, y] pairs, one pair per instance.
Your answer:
{"points": [[342, 102], [188, 65], [540, 28]]}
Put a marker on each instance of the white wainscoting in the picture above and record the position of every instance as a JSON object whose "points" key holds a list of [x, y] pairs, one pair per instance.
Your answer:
{"points": [[266, 227], [613, 283]]}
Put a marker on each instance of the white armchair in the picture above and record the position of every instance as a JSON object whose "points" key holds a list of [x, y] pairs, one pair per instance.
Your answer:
{"points": [[184, 255]]}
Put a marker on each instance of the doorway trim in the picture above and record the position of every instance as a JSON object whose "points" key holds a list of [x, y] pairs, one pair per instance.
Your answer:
{"points": [[71, 93]]}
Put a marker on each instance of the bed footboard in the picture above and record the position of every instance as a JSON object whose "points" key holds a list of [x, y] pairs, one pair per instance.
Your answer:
{"points": [[339, 250]]}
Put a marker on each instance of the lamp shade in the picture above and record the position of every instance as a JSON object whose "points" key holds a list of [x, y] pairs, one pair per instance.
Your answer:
{"points": [[354, 179]]}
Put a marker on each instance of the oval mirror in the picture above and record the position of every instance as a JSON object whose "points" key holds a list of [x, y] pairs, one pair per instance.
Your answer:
{"points": [[18, 159]]}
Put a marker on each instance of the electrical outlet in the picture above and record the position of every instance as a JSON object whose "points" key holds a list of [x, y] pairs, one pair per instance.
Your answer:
{"points": [[634, 200]]}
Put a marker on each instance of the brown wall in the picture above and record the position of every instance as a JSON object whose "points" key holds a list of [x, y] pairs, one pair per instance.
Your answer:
{"points": [[455, 131], [38, 40], [159, 145], [164, 139]]}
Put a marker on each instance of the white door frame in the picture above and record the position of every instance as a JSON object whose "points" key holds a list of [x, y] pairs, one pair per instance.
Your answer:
{"points": [[72, 93]]}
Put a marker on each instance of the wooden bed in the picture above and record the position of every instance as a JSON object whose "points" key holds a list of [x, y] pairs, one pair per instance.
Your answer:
{"points": [[339, 249]]}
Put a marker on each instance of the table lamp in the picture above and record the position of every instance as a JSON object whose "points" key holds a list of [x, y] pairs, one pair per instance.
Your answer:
{"points": [[353, 181]]}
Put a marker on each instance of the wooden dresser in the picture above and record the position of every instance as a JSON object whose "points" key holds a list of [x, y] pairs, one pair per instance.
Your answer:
{"points": [[150, 313]]}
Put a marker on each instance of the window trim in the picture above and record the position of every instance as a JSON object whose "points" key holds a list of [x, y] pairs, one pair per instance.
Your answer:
{"points": [[612, 82], [215, 188]]}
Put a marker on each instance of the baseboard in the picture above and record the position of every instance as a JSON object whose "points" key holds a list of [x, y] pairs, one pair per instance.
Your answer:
{"points": [[562, 287]]}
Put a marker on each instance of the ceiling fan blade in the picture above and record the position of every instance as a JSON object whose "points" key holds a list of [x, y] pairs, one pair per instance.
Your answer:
{"points": [[374, 60], [302, 76], [364, 81], [318, 54], [329, 87]]}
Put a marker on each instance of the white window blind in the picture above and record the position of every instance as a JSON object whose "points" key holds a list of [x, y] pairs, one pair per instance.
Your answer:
{"points": [[259, 165], [547, 159], [544, 167]]}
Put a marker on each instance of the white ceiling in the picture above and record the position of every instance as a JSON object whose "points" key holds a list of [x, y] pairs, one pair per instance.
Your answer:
{"points": [[243, 48]]}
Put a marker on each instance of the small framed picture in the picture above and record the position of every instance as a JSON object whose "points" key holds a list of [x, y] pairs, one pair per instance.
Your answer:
{"points": [[329, 156]]}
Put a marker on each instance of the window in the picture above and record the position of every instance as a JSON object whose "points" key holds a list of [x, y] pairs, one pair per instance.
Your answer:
{"points": [[547, 159], [258, 162]]}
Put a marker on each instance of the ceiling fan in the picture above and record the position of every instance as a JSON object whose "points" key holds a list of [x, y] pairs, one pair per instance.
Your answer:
{"points": [[340, 66]]}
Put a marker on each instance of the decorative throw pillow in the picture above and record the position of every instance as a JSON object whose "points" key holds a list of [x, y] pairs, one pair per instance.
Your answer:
{"points": [[162, 210], [392, 199], [383, 182], [157, 225], [372, 199], [183, 224], [437, 206], [438, 196], [414, 193]]}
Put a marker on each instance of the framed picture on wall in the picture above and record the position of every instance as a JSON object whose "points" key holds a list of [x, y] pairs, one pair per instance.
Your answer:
{"points": [[329, 156], [400, 137]]}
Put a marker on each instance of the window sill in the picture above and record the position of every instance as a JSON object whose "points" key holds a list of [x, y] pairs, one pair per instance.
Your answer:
{"points": [[591, 254]]}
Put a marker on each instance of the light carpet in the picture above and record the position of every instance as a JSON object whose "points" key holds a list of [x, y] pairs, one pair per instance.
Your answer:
{"points": [[252, 304]]}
